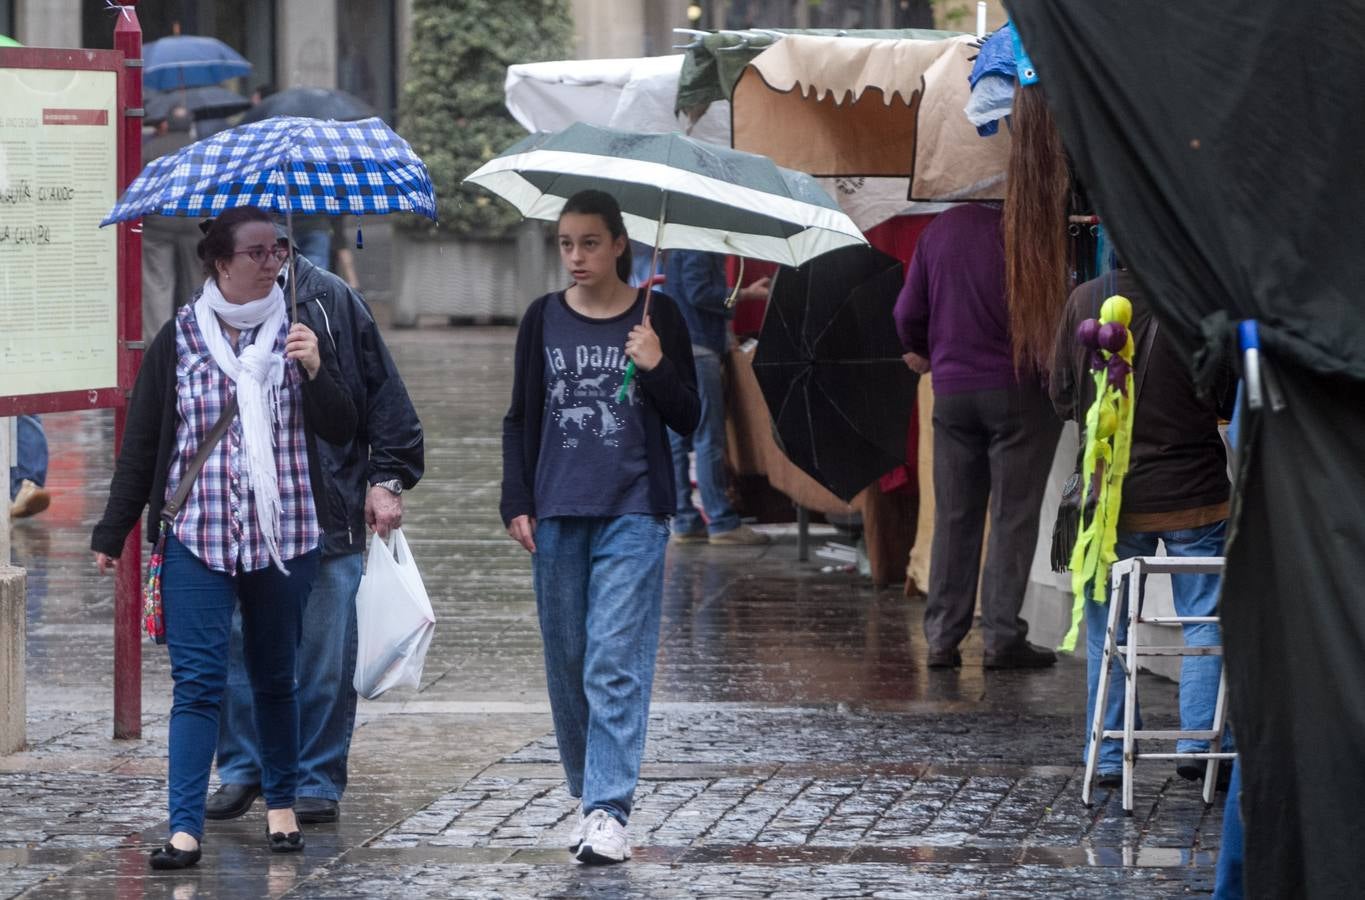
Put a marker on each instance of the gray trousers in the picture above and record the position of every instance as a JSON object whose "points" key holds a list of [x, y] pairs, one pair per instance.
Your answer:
{"points": [[171, 271], [990, 448]]}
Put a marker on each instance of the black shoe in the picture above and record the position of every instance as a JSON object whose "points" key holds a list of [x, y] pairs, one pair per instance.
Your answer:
{"points": [[172, 857], [1109, 780], [231, 801], [1022, 655], [284, 843], [1195, 772], [316, 810], [944, 659]]}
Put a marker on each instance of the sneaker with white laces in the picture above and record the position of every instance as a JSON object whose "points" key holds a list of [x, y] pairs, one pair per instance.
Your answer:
{"points": [[576, 836], [604, 839]]}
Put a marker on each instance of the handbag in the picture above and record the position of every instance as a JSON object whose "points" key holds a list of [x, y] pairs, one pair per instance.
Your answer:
{"points": [[1067, 527], [153, 613]]}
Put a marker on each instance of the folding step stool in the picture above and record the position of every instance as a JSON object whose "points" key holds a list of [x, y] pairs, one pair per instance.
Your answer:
{"points": [[1134, 570]]}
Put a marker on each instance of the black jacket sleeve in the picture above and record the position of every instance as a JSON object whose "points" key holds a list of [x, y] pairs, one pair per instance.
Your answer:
{"points": [[327, 408], [672, 384], [518, 493], [392, 428], [135, 468]]}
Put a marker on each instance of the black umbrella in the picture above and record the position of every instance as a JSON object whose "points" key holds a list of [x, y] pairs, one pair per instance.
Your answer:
{"points": [[829, 364], [212, 102], [312, 103]]}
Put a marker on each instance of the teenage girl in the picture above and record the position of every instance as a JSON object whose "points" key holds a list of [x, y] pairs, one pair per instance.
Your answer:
{"points": [[587, 489]]}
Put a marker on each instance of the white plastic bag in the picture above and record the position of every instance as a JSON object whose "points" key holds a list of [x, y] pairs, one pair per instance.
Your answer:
{"points": [[393, 618]]}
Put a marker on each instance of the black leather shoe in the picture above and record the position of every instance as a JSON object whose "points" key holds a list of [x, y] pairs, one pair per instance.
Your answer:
{"points": [[231, 801], [172, 857], [1109, 780], [284, 843], [316, 810], [944, 659], [1022, 655]]}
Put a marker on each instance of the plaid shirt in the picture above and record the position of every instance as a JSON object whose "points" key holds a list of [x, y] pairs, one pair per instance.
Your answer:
{"points": [[218, 522]]}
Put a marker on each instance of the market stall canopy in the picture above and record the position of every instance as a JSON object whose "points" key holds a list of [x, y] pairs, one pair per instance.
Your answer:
{"points": [[872, 108], [625, 94], [1222, 147]]}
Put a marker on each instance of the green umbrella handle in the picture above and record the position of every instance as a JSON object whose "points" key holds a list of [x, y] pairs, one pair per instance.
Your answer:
{"points": [[625, 382]]}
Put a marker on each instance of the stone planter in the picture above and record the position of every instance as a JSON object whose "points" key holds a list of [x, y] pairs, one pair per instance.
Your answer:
{"points": [[475, 279]]}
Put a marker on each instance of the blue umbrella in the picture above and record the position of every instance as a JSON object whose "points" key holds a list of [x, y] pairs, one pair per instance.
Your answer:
{"points": [[188, 60], [287, 165]]}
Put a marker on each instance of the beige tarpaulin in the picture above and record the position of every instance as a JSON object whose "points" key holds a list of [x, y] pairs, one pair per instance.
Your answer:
{"points": [[835, 106]]}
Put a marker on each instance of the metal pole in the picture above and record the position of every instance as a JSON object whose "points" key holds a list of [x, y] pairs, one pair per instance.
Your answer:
{"points": [[128, 578]]}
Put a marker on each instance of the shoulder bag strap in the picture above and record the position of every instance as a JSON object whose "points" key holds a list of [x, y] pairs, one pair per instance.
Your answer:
{"points": [[1144, 360], [182, 490]]}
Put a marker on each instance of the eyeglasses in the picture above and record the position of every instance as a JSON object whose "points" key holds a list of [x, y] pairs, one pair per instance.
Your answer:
{"points": [[258, 254]]}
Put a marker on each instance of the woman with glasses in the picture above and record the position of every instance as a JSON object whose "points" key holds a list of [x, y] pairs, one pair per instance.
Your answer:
{"points": [[248, 530]]}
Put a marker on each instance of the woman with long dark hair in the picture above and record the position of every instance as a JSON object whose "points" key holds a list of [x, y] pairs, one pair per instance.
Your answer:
{"points": [[220, 445]]}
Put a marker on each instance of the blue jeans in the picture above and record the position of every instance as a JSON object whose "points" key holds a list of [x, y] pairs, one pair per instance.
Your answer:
{"points": [[316, 247], [1195, 595], [1228, 883], [599, 590], [199, 603], [30, 454], [709, 442], [326, 670]]}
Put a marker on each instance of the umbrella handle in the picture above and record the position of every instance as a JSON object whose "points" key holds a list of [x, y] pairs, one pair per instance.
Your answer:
{"points": [[625, 382]]}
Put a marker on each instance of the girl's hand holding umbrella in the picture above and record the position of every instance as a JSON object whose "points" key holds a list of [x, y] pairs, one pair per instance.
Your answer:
{"points": [[643, 348]]}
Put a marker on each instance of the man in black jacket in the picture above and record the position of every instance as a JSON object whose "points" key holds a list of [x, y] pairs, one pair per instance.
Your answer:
{"points": [[363, 485], [1175, 492]]}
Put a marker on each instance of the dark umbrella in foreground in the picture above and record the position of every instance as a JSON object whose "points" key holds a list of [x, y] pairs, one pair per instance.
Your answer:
{"points": [[209, 102], [831, 371], [311, 103]]}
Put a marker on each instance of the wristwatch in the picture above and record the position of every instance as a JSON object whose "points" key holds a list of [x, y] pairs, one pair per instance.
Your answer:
{"points": [[393, 486]]}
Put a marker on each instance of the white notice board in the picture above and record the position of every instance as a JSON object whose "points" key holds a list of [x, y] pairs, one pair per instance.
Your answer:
{"points": [[58, 268]]}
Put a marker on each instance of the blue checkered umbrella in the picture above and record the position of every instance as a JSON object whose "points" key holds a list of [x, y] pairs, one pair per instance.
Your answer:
{"points": [[286, 165]]}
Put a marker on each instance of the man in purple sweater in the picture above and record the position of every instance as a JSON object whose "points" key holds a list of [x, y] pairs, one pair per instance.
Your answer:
{"points": [[994, 438]]}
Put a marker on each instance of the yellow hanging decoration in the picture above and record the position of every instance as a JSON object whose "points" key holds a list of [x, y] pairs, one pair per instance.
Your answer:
{"points": [[1108, 445]]}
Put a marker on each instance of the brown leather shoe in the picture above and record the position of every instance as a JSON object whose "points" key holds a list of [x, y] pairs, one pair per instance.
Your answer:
{"points": [[30, 501]]}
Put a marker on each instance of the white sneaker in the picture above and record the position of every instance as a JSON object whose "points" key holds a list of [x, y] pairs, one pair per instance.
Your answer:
{"points": [[604, 839], [576, 836]]}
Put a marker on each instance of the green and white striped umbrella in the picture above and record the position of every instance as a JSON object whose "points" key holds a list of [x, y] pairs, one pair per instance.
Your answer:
{"points": [[675, 192]]}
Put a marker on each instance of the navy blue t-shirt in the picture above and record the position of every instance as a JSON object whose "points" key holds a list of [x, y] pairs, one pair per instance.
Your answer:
{"points": [[592, 450]]}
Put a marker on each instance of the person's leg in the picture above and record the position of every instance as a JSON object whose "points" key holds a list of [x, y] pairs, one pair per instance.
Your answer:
{"points": [[709, 442], [30, 454], [198, 603], [625, 597], [1197, 595], [158, 279], [560, 567], [1024, 432], [961, 489], [239, 751], [189, 270], [326, 674], [924, 528], [1096, 621], [316, 246], [272, 619], [1227, 884], [686, 519]]}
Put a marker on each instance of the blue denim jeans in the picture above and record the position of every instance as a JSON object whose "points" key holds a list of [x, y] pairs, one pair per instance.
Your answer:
{"points": [[599, 590], [199, 603], [30, 454], [1195, 595], [316, 247], [1227, 883], [709, 443], [326, 670]]}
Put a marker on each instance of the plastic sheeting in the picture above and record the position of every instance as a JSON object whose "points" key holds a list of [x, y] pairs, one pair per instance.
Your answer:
{"points": [[1222, 146]]}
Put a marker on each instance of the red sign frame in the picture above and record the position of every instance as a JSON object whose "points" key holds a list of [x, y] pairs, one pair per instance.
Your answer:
{"points": [[129, 292]]}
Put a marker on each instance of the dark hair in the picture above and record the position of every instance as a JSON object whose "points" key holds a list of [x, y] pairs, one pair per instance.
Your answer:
{"points": [[1036, 198], [600, 203], [220, 237]]}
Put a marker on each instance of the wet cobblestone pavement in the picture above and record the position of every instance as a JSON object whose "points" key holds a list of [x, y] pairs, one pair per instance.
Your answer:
{"points": [[798, 746]]}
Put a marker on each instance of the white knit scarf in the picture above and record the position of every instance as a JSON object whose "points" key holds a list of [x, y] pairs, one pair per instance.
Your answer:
{"points": [[258, 373]]}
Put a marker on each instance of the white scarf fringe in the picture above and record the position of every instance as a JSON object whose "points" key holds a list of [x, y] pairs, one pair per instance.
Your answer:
{"points": [[258, 373]]}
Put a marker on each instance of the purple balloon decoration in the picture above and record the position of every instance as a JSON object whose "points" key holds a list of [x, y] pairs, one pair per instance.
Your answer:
{"points": [[1097, 360], [1118, 374], [1112, 336], [1088, 334]]}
